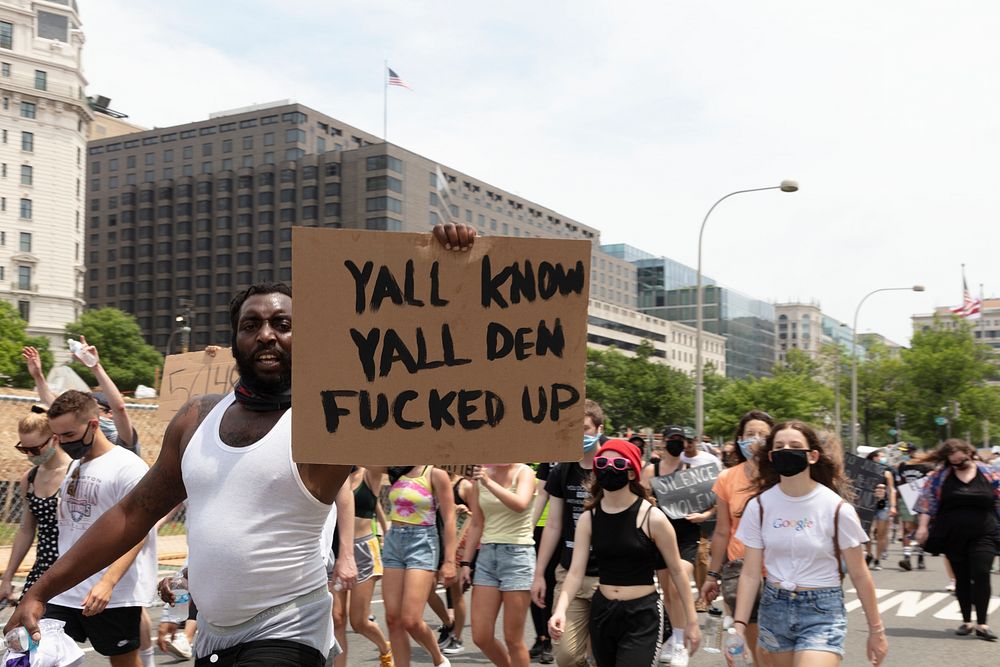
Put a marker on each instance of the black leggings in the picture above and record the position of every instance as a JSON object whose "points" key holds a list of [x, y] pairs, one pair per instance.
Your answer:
{"points": [[624, 633], [540, 615], [972, 577]]}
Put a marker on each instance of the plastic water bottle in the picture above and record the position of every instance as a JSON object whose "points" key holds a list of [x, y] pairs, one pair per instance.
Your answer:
{"points": [[713, 631], [736, 646], [76, 347], [19, 640], [178, 611]]}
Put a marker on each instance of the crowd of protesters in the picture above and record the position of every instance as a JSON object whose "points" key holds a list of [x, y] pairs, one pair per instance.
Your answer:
{"points": [[586, 546]]}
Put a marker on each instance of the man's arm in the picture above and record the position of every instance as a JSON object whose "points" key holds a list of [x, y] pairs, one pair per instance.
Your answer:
{"points": [[99, 596], [345, 570], [115, 399], [124, 525]]}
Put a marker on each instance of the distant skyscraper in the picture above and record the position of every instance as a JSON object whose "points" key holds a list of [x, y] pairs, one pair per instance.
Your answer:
{"points": [[45, 118]]}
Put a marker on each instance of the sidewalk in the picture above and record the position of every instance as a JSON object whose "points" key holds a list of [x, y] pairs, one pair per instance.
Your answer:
{"points": [[171, 551]]}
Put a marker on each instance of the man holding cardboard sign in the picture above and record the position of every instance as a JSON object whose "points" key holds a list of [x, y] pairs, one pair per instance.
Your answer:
{"points": [[254, 516]]}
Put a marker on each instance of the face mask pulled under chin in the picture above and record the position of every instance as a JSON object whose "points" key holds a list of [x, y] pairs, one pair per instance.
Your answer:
{"points": [[43, 457], [77, 449]]}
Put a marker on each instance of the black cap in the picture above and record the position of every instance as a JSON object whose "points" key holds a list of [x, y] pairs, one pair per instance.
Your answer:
{"points": [[102, 399], [638, 441], [673, 432]]}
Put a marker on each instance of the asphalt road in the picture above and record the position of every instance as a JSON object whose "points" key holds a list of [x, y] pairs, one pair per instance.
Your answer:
{"points": [[919, 614]]}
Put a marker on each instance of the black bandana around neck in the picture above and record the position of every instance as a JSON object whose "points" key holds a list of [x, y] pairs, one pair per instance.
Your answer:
{"points": [[260, 402]]}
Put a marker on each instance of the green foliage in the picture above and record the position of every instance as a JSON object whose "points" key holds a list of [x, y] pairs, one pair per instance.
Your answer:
{"points": [[882, 393], [124, 354], [793, 392], [946, 364], [636, 392], [13, 337]]}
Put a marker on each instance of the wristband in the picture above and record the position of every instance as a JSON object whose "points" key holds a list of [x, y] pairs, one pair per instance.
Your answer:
{"points": [[743, 623], [465, 563], [714, 575]]}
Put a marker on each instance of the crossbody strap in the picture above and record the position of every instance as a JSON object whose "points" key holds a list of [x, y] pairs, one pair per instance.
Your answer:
{"points": [[836, 539]]}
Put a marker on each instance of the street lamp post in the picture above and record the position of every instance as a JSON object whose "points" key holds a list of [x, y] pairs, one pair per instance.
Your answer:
{"points": [[854, 358], [699, 371], [180, 330]]}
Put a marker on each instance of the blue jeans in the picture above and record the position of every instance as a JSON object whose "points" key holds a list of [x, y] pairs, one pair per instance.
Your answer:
{"points": [[803, 620], [509, 567]]}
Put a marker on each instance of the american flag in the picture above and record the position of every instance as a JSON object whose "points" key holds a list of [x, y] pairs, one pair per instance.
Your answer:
{"points": [[970, 308], [394, 79]]}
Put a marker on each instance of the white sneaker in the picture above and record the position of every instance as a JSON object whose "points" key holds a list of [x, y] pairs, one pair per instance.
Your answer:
{"points": [[667, 652], [446, 663], [951, 586], [179, 647], [680, 658]]}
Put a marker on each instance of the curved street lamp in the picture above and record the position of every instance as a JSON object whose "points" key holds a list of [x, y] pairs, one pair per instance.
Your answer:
{"points": [[854, 358], [699, 371]]}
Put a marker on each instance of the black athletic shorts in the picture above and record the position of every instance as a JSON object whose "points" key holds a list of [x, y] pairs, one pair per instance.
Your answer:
{"points": [[112, 632], [689, 551], [265, 653]]}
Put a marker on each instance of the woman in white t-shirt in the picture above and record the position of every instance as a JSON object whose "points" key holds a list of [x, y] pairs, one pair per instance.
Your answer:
{"points": [[799, 527]]}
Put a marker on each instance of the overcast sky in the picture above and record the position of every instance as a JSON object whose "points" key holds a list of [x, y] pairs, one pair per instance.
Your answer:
{"points": [[634, 117]]}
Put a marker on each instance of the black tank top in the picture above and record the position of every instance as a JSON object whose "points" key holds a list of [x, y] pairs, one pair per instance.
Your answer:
{"points": [[626, 553], [364, 501]]}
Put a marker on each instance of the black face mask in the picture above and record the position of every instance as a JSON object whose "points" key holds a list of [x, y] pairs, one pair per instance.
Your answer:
{"points": [[789, 462], [964, 465], [77, 449], [611, 479], [675, 447]]}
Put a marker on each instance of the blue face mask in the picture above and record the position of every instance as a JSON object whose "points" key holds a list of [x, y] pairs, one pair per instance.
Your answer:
{"points": [[590, 442], [746, 446]]}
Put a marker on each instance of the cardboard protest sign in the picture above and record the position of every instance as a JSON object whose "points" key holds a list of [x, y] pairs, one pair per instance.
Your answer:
{"points": [[686, 491], [410, 353], [195, 374], [911, 491], [865, 475]]}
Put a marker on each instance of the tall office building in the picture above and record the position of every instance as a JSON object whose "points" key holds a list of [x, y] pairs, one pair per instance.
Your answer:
{"points": [[178, 218], [804, 326], [45, 118]]}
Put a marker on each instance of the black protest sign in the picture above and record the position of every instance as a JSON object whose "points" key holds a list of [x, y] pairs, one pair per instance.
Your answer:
{"points": [[865, 475], [411, 353], [686, 491]]}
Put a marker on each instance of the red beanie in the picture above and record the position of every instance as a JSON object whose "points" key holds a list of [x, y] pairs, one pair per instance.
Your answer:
{"points": [[626, 449]]}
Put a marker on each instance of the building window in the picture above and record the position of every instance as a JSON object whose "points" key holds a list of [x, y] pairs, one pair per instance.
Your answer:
{"points": [[27, 141], [384, 204], [28, 110], [25, 241], [227, 146], [6, 35], [53, 26], [269, 139], [384, 183], [385, 162], [26, 209], [24, 310], [26, 174], [24, 277], [294, 135], [41, 80], [5, 69]]}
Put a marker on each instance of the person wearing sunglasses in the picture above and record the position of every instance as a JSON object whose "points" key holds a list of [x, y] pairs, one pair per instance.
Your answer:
{"points": [[959, 516], [630, 540], [39, 500]]}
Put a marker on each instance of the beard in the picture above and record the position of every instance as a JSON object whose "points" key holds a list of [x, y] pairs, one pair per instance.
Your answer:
{"points": [[264, 385]]}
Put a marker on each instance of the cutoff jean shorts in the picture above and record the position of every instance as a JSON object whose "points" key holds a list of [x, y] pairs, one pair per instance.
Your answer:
{"points": [[509, 567], [411, 548], [802, 620]]}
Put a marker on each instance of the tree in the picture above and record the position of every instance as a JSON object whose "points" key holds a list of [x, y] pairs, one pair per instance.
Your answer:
{"points": [[13, 337], [636, 392], [127, 358], [793, 392], [882, 393], [944, 369]]}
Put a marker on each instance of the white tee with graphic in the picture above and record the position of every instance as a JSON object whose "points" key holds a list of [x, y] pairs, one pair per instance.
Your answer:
{"points": [[797, 537], [97, 486]]}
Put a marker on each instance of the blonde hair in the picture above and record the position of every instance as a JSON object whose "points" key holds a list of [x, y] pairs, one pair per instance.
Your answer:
{"points": [[34, 422]]}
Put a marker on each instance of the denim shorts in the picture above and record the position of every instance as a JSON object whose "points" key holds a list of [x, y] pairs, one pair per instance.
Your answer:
{"points": [[411, 548], [804, 620], [882, 514], [509, 567]]}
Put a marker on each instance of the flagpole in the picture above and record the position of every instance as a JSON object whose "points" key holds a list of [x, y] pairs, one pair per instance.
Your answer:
{"points": [[385, 101]]}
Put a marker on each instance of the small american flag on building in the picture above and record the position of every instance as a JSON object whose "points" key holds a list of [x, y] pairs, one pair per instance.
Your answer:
{"points": [[394, 79], [970, 308]]}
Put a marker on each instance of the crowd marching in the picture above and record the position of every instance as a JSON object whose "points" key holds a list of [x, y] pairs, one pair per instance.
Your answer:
{"points": [[282, 556]]}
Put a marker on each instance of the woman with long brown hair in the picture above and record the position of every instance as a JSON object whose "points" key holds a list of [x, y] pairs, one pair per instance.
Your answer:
{"points": [[789, 528], [627, 534], [962, 498]]}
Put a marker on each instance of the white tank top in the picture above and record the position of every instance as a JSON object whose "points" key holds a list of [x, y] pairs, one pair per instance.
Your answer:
{"points": [[253, 526]]}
